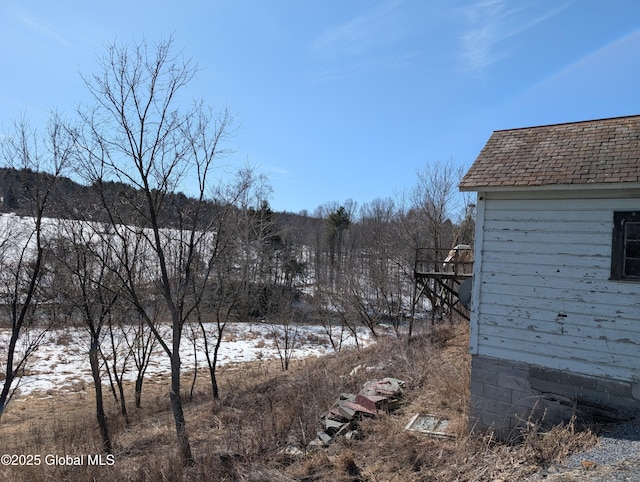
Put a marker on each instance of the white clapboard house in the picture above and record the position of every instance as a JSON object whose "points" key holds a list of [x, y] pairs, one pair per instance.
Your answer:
{"points": [[555, 303]]}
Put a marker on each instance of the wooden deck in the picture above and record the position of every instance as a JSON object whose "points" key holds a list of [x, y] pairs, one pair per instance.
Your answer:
{"points": [[439, 278]]}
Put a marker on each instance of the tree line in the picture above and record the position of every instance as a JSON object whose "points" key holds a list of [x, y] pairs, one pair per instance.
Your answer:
{"points": [[136, 263]]}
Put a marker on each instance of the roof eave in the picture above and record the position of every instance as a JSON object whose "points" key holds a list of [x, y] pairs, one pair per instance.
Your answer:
{"points": [[600, 186]]}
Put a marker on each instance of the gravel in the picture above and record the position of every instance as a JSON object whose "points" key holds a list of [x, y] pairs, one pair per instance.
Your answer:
{"points": [[616, 443], [615, 458]]}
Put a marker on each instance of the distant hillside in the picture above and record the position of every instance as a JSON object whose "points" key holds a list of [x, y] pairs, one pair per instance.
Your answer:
{"points": [[70, 199], [19, 188]]}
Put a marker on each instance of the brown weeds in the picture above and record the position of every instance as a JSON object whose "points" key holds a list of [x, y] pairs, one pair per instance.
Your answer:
{"points": [[260, 428]]}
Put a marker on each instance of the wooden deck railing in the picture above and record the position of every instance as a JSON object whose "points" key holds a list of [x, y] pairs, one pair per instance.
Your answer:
{"points": [[430, 261]]}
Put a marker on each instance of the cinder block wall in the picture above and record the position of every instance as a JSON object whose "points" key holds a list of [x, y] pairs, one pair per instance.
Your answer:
{"points": [[505, 394]]}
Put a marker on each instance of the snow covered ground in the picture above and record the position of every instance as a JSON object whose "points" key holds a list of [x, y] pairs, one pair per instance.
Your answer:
{"points": [[61, 362]]}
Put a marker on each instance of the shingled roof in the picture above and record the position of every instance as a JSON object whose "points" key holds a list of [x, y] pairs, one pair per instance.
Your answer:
{"points": [[589, 152]]}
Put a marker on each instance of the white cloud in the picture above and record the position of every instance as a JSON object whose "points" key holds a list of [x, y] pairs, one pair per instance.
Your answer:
{"points": [[369, 30], [373, 41], [43, 28], [489, 23]]}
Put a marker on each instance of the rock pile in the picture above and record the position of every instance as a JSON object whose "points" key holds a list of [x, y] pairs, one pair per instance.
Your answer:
{"points": [[376, 397]]}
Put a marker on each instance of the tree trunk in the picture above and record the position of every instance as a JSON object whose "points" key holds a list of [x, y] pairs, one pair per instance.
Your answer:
{"points": [[214, 382], [195, 374], [97, 381], [214, 363], [123, 403], [178, 414], [9, 373], [111, 383], [138, 390]]}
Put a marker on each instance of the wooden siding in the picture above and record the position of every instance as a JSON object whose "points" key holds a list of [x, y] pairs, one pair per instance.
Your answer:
{"points": [[544, 296]]}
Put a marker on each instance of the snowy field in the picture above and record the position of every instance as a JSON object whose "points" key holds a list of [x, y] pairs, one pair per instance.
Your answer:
{"points": [[61, 363]]}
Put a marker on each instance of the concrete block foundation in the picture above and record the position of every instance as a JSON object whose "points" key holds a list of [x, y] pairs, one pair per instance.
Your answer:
{"points": [[506, 394]]}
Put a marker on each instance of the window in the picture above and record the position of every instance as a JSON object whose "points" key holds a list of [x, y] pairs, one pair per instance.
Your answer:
{"points": [[625, 248]]}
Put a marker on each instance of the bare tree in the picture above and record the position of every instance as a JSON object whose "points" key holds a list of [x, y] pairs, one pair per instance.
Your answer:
{"points": [[117, 354], [23, 247], [87, 287], [436, 200], [436, 206], [340, 305], [212, 316], [284, 330], [138, 134], [141, 345], [233, 268], [389, 275]]}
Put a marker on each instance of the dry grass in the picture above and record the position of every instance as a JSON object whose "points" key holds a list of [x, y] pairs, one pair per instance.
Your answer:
{"points": [[249, 434]]}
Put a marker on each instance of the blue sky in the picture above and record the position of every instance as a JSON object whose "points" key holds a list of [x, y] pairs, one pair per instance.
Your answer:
{"points": [[345, 99]]}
